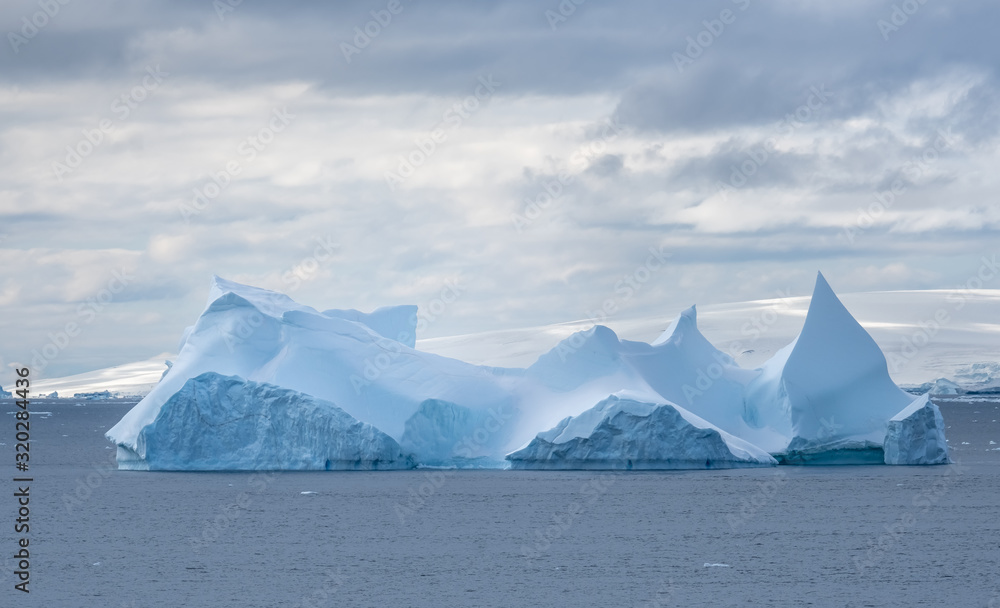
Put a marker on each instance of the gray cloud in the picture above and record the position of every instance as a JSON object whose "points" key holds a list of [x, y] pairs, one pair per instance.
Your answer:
{"points": [[474, 207]]}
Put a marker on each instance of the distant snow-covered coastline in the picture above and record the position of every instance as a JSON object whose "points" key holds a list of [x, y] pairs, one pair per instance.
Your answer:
{"points": [[964, 352]]}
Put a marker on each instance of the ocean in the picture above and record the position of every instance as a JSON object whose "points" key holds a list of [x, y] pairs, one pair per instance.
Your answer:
{"points": [[785, 536]]}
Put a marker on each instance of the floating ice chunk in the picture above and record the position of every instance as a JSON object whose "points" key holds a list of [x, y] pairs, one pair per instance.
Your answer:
{"points": [[916, 435], [622, 433]]}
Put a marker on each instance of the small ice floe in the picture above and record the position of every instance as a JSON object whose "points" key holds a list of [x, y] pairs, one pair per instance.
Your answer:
{"points": [[993, 442], [308, 492], [708, 565], [965, 443], [97, 563]]}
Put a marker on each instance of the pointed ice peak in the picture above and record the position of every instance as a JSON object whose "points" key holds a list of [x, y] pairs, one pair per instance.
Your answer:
{"points": [[828, 319], [836, 378], [687, 319]]}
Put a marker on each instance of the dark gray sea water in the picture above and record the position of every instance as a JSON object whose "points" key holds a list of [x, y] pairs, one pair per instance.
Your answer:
{"points": [[789, 536]]}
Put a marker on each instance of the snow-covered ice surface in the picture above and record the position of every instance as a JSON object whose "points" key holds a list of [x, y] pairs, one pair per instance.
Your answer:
{"points": [[824, 399], [623, 433], [220, 423]]}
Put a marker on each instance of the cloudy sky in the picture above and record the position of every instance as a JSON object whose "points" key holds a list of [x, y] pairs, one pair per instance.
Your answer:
{"points": [[502, 164]]}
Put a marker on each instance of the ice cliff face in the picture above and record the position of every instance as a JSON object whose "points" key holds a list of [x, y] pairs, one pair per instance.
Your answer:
{"points": [[825, 398], [219, 422], [624, 433], [916, 435]]}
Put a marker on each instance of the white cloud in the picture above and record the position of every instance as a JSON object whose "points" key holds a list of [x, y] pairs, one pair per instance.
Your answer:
{"points": [[322, 176]]}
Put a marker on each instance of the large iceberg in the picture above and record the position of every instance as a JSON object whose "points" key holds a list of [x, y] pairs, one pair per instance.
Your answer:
{"points": [[268, 338], [220, 422], [623, 432], [831, 385], [825, 398]]}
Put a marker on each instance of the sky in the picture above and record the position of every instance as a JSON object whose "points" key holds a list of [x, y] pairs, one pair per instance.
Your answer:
{"points": [[499, 164]]}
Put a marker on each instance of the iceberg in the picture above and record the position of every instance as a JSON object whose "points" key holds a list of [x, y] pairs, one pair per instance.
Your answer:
{"points": [[92, 396], [831, 386], [916, 435], [941, 386], [677, 402], [5, 394], [625, 432], [268, 338], [220, 422]]}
